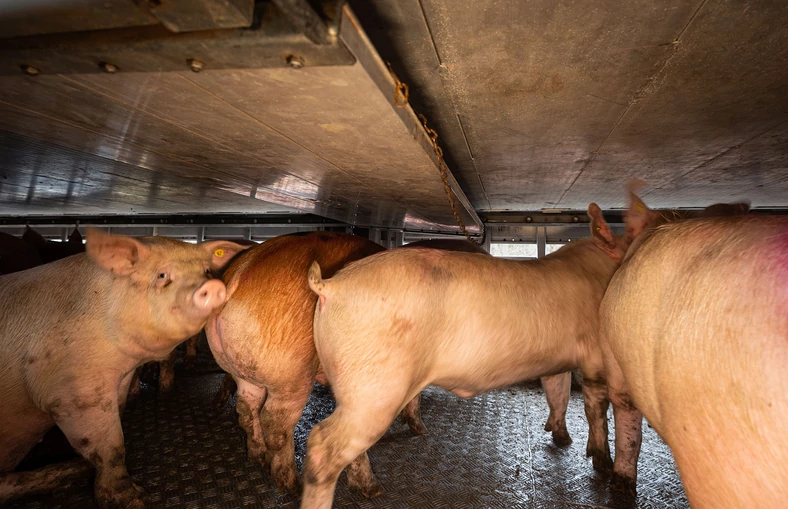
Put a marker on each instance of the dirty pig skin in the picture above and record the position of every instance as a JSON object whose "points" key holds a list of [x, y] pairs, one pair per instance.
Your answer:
{"points": [[695, 338], [465, 322], [72, 334]]}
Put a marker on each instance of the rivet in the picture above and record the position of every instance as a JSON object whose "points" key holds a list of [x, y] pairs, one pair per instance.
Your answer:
{"points": [[107, 67], [30, 70], [295, 62], [195, 65], [575, 219], [528, 219]]}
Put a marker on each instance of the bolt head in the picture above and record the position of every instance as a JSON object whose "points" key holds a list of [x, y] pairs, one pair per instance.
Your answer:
{"points": [[107, 67], [195, 65], [295, 62], [30, 70]]}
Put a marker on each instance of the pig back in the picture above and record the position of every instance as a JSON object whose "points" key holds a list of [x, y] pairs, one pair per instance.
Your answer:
{"points": [[450, 308], [270, 305], [697, 319]]}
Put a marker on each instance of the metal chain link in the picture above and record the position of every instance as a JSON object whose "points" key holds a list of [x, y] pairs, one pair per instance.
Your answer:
{"points": [[400, 101], [400, 90]]}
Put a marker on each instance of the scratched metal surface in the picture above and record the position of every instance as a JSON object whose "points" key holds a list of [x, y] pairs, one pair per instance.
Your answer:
{"points": [[556, 104], [486, 452], [325, 140]]}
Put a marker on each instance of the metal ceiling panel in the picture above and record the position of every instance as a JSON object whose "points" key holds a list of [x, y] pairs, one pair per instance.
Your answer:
{"points": [[555, 104], [42, 178], [712, 124], [325, 140]]}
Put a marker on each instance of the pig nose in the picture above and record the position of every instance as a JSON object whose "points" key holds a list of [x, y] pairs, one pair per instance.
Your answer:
{"points": [[210, 295]]}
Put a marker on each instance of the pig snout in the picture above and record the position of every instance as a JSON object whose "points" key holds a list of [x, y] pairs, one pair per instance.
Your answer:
{"points": [[210, 295]]}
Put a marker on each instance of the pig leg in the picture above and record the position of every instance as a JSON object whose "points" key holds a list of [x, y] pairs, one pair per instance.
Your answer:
{"points": [[134, 387], [190, 358], [226, 390], [123, 390], [628, 427], [411, 415], [94, 430], [167, 373], [596, 405], [342, 438], [279, 417], [43, 480], [248, 405], [557, 389]]}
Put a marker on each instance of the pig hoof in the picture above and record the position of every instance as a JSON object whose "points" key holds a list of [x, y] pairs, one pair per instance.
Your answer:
{"points": [[127, 497], [370, 489], [602, 462], [165, 386], [600, 459], [561, 437], [416, 426], [287, 482], [622, 484]]}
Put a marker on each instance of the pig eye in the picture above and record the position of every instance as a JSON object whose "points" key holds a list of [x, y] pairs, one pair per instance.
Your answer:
{"points": [[208, 273], [162, 279]]}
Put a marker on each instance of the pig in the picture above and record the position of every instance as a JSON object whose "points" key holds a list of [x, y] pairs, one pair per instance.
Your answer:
{"points": [[387, 326], [72, 334], [695, 338], [448, 245], [167, 367], [16, 255], [51, 251], [262, 337], [557, 388], [411, 414]]}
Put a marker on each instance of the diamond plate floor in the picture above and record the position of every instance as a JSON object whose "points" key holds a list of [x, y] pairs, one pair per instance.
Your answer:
{"points": [[486, 452]]}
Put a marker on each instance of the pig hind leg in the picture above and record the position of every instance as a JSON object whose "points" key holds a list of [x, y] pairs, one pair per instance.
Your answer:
{"points": [[278, 418], [557, 389], [596, 405], [248, 405], [190, 357], [341, 439], [167, 373], [628, 421], [226, 390], [411, 415]]}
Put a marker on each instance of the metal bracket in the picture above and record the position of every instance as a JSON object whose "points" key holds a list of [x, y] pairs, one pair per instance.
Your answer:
{"points": [[270, 41]]}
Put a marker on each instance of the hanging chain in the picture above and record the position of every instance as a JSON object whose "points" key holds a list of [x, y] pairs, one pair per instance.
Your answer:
{"points": [[400, 89], [400, 101]]}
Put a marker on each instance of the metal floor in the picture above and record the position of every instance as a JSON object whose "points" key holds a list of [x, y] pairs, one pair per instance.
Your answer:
{"points": [[486, 452]]}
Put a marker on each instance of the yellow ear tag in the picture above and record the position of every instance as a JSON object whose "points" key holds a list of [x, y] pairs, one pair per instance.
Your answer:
{"points": [[219, 252], [599, 228], [640, 207]]}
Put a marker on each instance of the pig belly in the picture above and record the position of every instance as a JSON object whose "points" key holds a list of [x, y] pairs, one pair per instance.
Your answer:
{"points": [[475, 366]]}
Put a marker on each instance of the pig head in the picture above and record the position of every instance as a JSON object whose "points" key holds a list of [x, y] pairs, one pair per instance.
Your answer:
{"points": [[73, 332]]}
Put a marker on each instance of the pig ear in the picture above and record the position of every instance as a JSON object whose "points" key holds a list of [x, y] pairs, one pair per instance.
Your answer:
{"points": [[75, 237], [32, 237], [222, 251], [639, 216], [116, 253], [603, 235]]}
